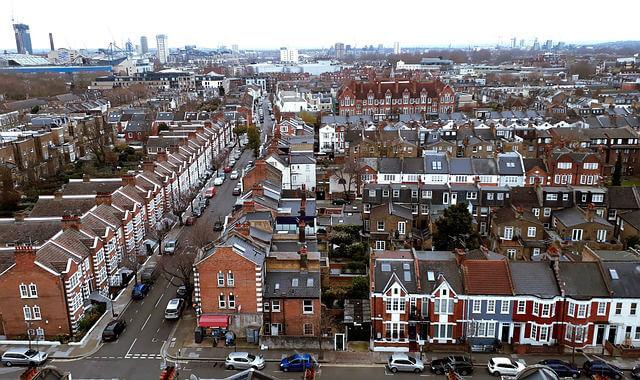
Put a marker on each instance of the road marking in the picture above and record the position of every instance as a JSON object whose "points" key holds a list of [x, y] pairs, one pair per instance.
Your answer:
{"points": [[145, 322], [130, 347]]}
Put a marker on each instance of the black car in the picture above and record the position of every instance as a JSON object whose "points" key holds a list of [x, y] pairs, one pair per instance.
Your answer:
{"points": [[562, 368], [602, 368], [460, 364], [113, 330], [635, 372]]}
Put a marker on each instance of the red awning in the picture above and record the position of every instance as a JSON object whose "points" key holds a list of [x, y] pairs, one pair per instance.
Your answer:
{"points": [[214, 321]]}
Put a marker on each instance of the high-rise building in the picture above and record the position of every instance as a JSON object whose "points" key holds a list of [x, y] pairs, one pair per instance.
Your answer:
{"points": [[144, 45], [23, 38], [396, 48], [288, 55], [163, 48], [339, 46]]}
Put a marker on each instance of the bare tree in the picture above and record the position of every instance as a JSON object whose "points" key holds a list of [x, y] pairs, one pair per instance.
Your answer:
{"points": [[350, 177], [178, 269]]}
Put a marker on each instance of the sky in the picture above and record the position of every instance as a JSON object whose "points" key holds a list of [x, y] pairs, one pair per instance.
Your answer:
{"points": [[262, 24]]}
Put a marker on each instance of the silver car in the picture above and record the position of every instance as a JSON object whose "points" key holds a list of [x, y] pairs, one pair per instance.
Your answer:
{"points": [[243, 360], [23, 356], [404, 363]]}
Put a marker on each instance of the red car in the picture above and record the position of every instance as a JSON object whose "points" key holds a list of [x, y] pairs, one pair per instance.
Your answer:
{"points": [[228, 169], [210, 192]]}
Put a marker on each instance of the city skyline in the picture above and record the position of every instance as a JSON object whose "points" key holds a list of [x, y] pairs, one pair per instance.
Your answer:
{"points": [[417, 29]]}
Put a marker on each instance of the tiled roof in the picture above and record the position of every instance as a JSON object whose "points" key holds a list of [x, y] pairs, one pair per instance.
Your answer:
{"points": [[487, 277]]}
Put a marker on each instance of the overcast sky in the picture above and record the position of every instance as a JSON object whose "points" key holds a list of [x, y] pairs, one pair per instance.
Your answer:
{"points": [[271, 24]]}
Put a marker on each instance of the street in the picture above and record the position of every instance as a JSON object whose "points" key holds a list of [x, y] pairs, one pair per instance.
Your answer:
{"points": [[137, 353]]}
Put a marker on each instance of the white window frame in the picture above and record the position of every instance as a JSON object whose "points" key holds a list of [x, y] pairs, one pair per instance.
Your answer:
{"points": [[505, 307], [307, 306]]}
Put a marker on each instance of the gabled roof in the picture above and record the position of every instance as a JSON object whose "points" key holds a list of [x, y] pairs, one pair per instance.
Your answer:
{"points": [[487, 277]]}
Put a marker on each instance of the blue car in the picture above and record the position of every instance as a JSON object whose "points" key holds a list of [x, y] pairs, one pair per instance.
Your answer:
{"points": [[139, 291], [298, 363], [562, 368]]}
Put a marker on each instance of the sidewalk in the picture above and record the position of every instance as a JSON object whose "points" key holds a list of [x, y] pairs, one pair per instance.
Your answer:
{"points": [[182, 347]]}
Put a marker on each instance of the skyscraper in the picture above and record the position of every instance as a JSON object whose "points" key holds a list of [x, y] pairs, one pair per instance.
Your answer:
{"points": [[339, 50], [396, 48], [23, 38], [144, 45], [163, 48], [288, 55]]}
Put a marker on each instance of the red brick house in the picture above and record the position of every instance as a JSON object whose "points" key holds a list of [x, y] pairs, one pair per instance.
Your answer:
{"points": [[229, 280], [395, 97], [567, 167]]}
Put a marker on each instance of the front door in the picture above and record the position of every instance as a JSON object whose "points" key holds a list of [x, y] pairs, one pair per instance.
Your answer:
{"points": [[613, 331], [600, 334], [505, 333]]}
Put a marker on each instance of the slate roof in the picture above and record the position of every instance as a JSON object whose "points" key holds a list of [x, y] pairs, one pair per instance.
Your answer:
{"points": [[533, 278], [447, 268], [308, 284], [487, 277], [573, 217], [624, 197], [29, 231], [398, 262], [51, 206], [623, 278], [582, 280]]}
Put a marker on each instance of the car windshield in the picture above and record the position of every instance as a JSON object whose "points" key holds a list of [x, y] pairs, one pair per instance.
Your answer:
{"points": [[31, 353]]}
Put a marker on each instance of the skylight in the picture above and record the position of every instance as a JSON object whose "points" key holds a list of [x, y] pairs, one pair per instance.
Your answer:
{"points": [[614, 274]]}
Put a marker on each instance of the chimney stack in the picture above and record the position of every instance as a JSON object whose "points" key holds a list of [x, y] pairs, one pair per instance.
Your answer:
{"points": [[303, 257], [460, 255], [103, 199], [590, 210], [70, 221], [24, 255], [128, 179]]}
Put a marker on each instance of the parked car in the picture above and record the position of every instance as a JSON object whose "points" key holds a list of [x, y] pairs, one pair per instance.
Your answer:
{"points": [[234, 175], [181, 292], [602, 368], [174, 308], [504, 366], [170, 247], [218, 226], [218, 181], [244, 360], [635, 372], [210, 192], [298, 363], [561, 368], [404, 363], [23, 356], [113, 330], [140, 290], [149, 274], [458, 363], [227, 169], [236, 190]]}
